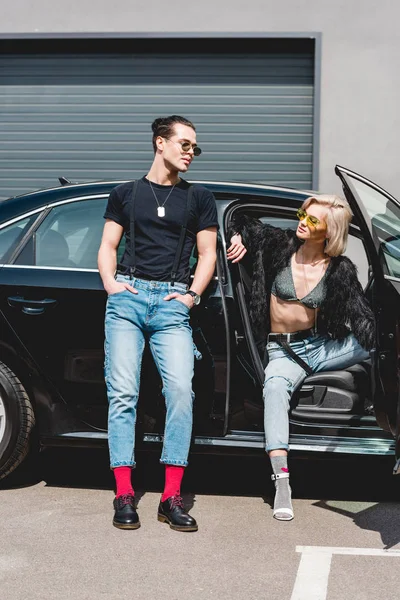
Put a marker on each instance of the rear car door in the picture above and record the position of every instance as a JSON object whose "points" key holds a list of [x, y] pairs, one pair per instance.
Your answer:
{"points": [[378, 214], [53, 299]]}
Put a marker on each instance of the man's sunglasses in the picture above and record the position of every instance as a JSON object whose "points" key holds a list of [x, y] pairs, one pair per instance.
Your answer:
{"points": [[187, 146], [310, 220]]}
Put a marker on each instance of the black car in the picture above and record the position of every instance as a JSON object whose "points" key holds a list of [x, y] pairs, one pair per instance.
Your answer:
{"points": [[52, 306]]}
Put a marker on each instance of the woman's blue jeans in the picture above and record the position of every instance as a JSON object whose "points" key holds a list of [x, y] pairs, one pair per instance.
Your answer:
{"points": [[283, 376], [130, 320]]}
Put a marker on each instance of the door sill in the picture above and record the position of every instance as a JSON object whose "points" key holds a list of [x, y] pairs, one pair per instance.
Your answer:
{"points": [[240, 441]]}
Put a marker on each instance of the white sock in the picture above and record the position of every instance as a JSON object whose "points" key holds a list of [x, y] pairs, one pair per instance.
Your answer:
{"points": [[283, 509]]}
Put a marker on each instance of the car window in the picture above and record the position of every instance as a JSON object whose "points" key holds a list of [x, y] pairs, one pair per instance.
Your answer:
{"points": [[385, 221], [11, 235], [69, 237]]}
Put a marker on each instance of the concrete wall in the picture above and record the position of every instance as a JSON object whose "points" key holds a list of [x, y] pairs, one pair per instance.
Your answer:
{"points": [[360, 84]]}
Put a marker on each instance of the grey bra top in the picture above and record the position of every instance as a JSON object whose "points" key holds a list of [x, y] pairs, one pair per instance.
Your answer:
{"points": [[283, 288]]}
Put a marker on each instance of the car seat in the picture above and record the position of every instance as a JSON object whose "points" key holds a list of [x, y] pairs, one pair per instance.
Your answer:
{"points": [[332, 395], [52, 250]]}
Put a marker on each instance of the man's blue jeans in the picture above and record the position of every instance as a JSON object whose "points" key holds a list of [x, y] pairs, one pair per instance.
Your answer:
{"points": [[283, 376], [130, 320]]}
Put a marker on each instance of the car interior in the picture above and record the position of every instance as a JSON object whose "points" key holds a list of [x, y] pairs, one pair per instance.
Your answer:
{"points": [[331, 396], [52, 250]]}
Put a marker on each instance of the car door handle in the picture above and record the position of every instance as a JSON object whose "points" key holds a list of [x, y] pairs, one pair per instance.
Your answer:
{"points": [[31, 307]]}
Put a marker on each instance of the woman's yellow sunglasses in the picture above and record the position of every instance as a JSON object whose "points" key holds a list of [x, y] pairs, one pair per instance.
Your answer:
{"points": [[310, 220]]}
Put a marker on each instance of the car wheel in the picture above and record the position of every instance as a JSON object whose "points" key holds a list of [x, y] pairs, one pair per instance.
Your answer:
{"points": [[17, 420]]}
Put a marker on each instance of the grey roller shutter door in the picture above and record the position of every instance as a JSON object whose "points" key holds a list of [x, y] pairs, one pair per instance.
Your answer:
{"points": [[88, 117]]}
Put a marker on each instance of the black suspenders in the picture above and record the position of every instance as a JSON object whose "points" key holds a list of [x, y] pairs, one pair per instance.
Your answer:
{"points": [[182, 236], [132, 228]]}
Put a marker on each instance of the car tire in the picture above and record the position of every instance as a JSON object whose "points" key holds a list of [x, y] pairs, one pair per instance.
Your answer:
{"points": [[17, 421]]}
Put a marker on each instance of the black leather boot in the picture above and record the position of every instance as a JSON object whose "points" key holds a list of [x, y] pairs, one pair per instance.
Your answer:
{"points": [[125, 516], [171, 511]]}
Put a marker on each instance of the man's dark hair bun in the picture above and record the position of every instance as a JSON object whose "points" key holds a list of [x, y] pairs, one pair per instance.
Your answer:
{"points": [[156, 124], [164, 126]]}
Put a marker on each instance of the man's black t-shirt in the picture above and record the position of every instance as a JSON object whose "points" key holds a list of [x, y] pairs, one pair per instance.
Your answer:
{"points": [[156, 238]]}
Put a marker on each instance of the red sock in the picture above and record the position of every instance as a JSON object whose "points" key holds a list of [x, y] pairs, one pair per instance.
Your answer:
{"points": [[123, 480], [173, 479]]}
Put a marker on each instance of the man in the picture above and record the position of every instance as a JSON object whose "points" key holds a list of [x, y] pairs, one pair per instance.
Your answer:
{"points": [[149, 300]]}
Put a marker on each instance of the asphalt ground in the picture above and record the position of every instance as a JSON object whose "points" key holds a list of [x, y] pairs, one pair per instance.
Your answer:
{"points": [[57, 540]]}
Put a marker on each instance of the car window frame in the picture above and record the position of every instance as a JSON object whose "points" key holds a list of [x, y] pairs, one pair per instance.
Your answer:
{"points": [[41, 212], [351, 180], [379, 267], [275, 208], [354, 231]]}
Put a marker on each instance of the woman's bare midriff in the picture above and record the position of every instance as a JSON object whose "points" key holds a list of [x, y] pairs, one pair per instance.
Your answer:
{"points": [[287, 317]]}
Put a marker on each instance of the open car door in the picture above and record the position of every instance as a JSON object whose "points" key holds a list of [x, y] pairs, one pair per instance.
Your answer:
{"points": [[378, 215]]}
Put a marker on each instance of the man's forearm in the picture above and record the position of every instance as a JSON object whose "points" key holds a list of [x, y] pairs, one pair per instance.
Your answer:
{"points": [[204, 272], [107, 263]]}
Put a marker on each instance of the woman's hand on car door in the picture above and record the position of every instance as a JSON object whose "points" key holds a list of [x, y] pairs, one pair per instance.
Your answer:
{"points": [[236, 250]]}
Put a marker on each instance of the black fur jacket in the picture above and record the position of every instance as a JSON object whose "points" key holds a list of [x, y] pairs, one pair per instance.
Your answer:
{"points": [[345, 307]]}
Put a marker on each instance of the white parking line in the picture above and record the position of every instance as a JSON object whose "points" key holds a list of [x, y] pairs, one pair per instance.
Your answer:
{"points": [[315, 563], [312, 576]]}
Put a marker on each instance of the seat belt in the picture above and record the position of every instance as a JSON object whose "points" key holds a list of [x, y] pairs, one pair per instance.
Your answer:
{"points": [[296, 357], [182, 235]]}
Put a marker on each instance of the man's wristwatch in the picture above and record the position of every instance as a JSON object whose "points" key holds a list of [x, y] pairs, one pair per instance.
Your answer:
{"points": [[196, 297]]}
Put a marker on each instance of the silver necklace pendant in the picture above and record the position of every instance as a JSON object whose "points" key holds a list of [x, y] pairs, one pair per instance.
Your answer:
{"points": [[161, 209]]}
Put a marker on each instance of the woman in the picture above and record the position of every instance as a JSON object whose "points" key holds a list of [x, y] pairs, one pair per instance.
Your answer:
{"points": [[304, 287]]}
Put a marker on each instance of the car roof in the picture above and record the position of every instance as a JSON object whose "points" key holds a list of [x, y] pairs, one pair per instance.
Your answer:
{"points": [[19, 205]]}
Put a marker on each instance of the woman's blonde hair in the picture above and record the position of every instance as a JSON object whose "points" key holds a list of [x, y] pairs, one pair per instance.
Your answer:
{"points": [[338, 219]]}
